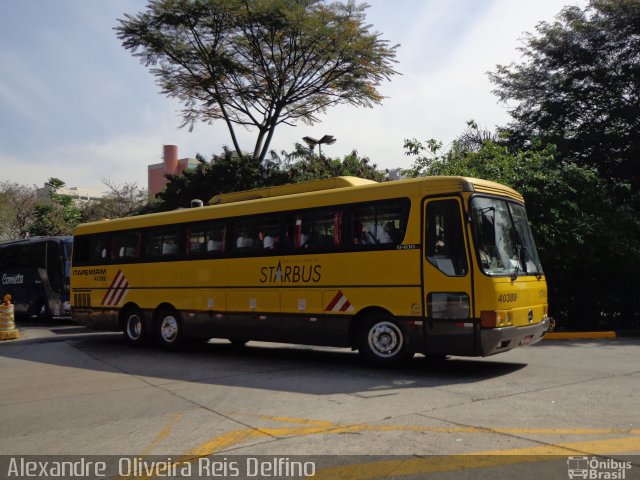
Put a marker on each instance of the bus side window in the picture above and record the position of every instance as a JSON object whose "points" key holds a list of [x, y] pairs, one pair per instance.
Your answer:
{"points": [[125, 245], [445, 239], [268, 228], [378, 223], [206, 238], [314, 229], [245, 235], [163, 241]]}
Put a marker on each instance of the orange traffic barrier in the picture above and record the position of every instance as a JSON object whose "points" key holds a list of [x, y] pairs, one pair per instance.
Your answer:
{"points": [[8, 330]]}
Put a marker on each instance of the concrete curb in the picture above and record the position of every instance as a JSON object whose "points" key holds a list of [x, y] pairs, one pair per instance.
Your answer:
{"points": [[579, 335]]}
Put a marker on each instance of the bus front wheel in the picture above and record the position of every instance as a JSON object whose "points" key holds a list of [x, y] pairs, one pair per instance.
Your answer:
{"points": [[135, 330], [169, 329], [382, 341]]}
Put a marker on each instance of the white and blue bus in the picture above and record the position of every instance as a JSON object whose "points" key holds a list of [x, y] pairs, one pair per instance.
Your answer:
{"points": [[35, 272]]}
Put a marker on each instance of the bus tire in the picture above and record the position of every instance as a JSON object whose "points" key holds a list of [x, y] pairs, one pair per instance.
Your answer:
{"points": [[382, 341], [135, 328], [169, 329]]}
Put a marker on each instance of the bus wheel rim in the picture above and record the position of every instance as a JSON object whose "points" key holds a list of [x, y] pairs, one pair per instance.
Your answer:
{"points": [[134, 327], [169, 329], [385, 339]]}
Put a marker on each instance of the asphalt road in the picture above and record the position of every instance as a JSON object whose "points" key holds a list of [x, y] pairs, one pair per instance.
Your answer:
{"points": [[68, 391]]}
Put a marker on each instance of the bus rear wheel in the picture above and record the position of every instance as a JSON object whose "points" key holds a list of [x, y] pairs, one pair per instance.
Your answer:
{"points": [[169, 329], [382, 341], [135, 330]]}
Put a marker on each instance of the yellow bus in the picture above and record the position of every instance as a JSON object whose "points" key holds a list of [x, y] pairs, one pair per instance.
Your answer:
{"points": [[436, 265]]}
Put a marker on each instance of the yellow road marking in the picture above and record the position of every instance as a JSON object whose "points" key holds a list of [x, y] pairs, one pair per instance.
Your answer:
{"points": [[412, 466], [162, 434], [579, 335], [474, 460], [318, 427], [159, 437]]}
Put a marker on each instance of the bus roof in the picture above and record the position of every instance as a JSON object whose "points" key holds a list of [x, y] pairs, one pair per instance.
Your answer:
{"points": [[36, 239], [305, 195], [290, 189]]}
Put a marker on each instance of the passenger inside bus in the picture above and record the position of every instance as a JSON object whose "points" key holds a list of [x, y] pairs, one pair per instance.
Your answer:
{"points": [[169, 247], [269, 241], [244, 241], [214, 246]]}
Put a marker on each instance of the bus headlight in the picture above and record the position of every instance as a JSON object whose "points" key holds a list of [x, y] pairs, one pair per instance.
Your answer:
{"points": [[495, 319], [66, 307]]}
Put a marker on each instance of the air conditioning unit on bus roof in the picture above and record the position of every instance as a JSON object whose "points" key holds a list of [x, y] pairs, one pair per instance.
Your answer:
{"points": [[290, 189]]}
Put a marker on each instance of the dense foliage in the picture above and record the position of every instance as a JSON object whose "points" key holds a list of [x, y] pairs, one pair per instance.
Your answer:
{"points": [[230, 173], [591, 281], [578, 89]]}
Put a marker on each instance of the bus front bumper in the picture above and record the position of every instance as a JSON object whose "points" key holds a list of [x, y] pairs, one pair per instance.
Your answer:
{"points": [[497, 340]]}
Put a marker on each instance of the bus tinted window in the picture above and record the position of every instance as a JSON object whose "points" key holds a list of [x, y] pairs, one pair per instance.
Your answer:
{"points": [[99, 248], [206, 238], [378, 224], [125, 245], [163, 242], [28, 255], [9, 258], [256, 234], [319, 228]]}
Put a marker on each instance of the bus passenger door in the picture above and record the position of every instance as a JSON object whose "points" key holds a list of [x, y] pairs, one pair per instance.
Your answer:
{"points": [[447, 279]]}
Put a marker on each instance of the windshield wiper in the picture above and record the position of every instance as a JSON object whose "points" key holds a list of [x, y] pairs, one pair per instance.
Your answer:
{"points": [[516, 270], [533, 260]]}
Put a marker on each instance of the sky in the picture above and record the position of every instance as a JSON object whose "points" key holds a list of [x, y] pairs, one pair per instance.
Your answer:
{"points": [[74, 104]]}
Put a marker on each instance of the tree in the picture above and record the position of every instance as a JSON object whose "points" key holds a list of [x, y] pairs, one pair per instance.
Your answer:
{"points": [[229, 173], [304, 165], [223, 174], [590, 275], [259, 63], [120, 200], [16, 210], [578, 88], [57, 215]]}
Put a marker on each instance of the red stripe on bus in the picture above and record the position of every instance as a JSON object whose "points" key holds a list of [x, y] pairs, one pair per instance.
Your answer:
{"points": [[346, 306], [335, 301], [119, 296], [109, 292]]}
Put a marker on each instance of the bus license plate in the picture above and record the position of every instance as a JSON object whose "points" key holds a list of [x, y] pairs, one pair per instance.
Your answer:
{"points": [[526, 340]]}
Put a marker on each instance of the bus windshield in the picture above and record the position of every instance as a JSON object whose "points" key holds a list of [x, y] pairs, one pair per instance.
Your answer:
{"points": [[504, 240]]}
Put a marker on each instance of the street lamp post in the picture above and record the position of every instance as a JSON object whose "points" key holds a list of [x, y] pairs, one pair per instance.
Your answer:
{"points": [[312, 142]]}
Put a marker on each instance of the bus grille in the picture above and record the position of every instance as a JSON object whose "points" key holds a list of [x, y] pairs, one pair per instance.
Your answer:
{"points": [[81, 299]]}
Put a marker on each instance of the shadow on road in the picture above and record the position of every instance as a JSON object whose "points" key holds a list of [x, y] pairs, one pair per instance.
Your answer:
{"points": [[279, 367]]}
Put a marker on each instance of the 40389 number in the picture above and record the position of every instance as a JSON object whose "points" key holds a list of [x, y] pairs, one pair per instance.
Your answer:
{"points": [[507, 297]]}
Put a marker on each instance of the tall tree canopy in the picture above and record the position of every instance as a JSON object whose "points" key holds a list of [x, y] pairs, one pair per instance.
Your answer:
{"points": [[579, 87], [259, 63], [230, 173]]}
